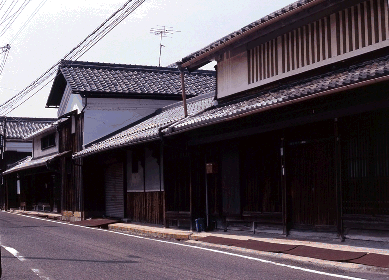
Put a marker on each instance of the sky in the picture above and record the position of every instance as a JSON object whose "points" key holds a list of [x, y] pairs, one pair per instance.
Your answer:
{"points": [[60, 25]]}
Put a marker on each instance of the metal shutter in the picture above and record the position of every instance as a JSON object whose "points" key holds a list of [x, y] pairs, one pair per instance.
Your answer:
{"points": [[113, 182]]}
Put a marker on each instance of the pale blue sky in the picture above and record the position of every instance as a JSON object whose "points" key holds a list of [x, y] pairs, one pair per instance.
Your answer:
{"points": [[61, 25]]}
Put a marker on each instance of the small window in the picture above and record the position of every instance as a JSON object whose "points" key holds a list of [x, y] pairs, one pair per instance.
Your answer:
{"points": [[48, 141]]}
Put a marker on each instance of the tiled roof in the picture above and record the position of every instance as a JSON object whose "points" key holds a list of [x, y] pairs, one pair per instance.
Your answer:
{"points": [[149, 129], [18, 128], [266, 99], [242, 31], [47, 128], [128, 80], [30, 162]]}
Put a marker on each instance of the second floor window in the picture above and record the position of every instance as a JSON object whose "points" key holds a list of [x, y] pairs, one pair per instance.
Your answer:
{"points": [[48, 141]]}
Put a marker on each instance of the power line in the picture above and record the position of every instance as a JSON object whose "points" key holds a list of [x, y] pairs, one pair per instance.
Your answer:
{"points": [[28, 20], [74, 54], [14, 16]]}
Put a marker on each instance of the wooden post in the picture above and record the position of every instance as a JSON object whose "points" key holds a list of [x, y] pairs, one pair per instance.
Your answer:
{"points": [[125, 167], [338, 181], [190, 193], [284, 191], [183, 89], [162, 183]]}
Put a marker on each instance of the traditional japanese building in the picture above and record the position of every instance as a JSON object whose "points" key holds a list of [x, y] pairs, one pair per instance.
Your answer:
{"points": [[299, 138], [14, 149]]}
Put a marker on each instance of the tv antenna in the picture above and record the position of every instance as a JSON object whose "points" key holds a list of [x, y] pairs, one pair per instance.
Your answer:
{"points": [[162, 31]]}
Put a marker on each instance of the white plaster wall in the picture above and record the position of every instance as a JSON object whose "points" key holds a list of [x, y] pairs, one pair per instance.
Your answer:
{"points": [[232, 74], [22, 147], [135, 181], [70, 102], [152, 171], [37, 153], [105, 115]]}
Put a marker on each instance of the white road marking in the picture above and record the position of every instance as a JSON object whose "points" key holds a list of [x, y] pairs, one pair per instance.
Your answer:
{"points": [[17, 255], [207, 249], [14, 253]]}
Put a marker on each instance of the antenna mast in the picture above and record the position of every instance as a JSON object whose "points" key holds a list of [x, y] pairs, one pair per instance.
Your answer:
{"points": [[162, 31]]}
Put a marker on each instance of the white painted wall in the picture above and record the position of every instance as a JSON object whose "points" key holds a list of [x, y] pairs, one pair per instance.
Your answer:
{"points": [[152, 171], [105, 115], [135, 181], [22, 147], [38, 152], [147, 179], [232, 74], [70, 102]]}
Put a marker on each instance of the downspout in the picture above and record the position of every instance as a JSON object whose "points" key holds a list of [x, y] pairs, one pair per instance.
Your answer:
{"points": [[86, 104], [183, 88], [3, 165]]}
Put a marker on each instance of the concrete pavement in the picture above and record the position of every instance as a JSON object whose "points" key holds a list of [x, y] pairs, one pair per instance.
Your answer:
{"points": [[378, 252]]}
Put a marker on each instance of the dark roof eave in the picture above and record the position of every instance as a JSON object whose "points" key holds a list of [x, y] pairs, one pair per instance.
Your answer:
{"points": [[136, 142], [131, 95], [175, 131]]}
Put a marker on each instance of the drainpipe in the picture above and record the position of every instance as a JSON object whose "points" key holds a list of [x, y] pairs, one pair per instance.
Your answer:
{"points": [[183, 88]]}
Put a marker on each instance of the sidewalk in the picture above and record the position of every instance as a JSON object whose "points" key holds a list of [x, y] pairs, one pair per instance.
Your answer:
{"points": [[349, 254]]}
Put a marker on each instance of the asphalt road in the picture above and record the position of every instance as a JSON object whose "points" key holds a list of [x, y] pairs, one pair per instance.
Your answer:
{"points": [[40, 249]]}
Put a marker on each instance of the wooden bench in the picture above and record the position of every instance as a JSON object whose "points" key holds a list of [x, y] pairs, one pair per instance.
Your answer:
{"points": [[272, 218], [233, 219], [254, 218], [23, 206], [178, 216], [41, 205]]}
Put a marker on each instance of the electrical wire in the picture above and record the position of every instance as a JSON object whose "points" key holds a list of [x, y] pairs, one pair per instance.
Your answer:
{"points": [[41, 4], [7, 12], [86, 44], [14, 17]]}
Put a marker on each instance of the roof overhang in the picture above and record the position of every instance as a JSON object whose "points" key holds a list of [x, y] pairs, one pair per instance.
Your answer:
{"points": [[57, 91], [31, 163]]}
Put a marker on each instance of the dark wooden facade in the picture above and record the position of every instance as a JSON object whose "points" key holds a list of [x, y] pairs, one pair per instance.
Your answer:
{"points": [[319, 165], [70, 139]]}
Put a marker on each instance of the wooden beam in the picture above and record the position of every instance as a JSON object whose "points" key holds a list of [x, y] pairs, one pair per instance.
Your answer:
{"points": [[290, 122]]}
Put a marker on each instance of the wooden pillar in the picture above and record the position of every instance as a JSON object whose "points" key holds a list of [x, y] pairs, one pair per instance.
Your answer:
{"points": [[125, 167], [338, 181], [6, 194], [285, 229], [190, 192], [163, 185]]}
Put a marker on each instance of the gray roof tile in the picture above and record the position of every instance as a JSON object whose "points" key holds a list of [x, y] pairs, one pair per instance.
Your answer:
{"points": [[117, 78], [375, 68], [18, 128]]}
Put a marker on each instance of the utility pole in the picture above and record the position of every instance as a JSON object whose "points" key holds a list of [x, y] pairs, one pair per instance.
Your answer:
{"points": [[4, 51], [162, 31], [3, 165]]}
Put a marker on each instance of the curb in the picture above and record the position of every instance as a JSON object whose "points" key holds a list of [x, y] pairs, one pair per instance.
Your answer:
{"points": [[146, 231]]}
